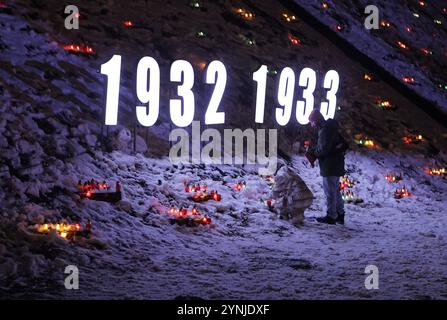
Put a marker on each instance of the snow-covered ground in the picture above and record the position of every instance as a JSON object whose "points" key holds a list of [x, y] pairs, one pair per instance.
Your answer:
{"points": [[247, 253], [49, 111]]}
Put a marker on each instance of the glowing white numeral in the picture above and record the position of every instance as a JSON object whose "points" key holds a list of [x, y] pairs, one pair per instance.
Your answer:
{"points": [[148, 115], [285, 96], [112, 69], [331, 81], [260, 77], [308, 79], [182, 69], [216, 74]]}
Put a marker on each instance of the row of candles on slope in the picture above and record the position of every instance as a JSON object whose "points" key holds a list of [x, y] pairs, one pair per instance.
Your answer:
{"points": [[399, 193], [404, 192], [411, 80], [245, 14], [63, 229], [196, 188], [349, 196], [386, 104], [200, 192], [249, 16], [408, 139], [194, 215], [385, 24], [92, 186]]}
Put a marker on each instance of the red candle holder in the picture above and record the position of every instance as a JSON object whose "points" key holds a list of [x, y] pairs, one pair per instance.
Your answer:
{"points": [[402, 193], [128, 24], [392, 178], [241, 185], [409, 80], [294, 40], [412, 139], [339, 27]]}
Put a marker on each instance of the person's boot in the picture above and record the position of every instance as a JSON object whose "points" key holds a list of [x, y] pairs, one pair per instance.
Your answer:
{"points": [[340, 218], [327, 220]]}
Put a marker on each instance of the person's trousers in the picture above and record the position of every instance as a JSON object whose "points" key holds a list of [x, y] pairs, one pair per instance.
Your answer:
{"points": [[334, 201]]}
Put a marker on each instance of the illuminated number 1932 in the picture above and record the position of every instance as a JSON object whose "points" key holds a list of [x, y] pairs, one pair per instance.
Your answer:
{"points": [[148, 91]]}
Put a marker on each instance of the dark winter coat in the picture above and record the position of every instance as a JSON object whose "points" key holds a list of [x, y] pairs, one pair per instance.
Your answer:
{"points": [[332, 163]]}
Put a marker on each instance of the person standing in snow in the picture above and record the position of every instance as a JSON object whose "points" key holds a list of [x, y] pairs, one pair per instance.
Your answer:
{"points": [[330, 154]]}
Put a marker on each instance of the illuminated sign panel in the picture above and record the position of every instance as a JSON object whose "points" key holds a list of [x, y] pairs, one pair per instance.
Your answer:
{"points": [[182, 109]]}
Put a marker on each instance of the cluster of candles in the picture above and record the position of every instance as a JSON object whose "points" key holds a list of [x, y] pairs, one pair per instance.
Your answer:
{"points": [[366, 143], [204, 196], [294, 40], [79, 49], [195, 188], [349, 196], [385, 105], [193, 215], [402, 193], [245, 14], [412, 139], [367, 77], [385, 24], [409, 80], [201, 193], [392, 178], [346, 183], [289, 18], [436, 171], [64, 230], [402, 45], [240, 185], [89, 187]]}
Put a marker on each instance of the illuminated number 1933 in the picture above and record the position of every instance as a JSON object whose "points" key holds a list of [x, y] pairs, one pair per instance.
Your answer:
{"points": [[307, 80]]}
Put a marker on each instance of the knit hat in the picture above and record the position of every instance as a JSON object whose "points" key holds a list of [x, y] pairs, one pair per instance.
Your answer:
{"points": [[316, 116]]}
